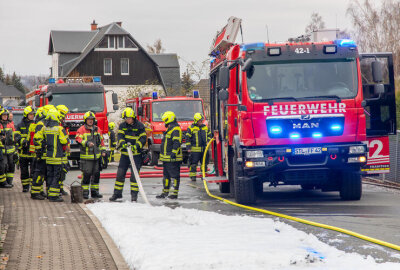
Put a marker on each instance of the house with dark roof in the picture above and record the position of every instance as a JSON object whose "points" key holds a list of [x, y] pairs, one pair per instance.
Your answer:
{"points": [[109, 52], [10, 95], [168, 65]]}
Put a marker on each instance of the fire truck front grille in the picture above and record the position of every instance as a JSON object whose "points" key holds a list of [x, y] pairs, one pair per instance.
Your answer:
{"points": [[302, 160], [306, 176], [73, 126]]}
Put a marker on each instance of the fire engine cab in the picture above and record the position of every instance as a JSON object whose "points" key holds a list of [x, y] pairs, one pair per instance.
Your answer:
{"points": [[149, 111], [316, 114], [80, 95]]}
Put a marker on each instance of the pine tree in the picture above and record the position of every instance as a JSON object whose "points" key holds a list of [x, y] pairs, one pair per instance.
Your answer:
{"points": [[7, 80], [186, 82], [2, 78]]}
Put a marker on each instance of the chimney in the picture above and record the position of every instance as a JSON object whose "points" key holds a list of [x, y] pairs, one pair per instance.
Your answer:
{"points": [[94, 25], [120, 24]]}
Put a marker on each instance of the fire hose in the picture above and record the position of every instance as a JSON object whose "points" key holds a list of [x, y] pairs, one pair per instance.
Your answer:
{"points": [[300, 220], [137, 177]]}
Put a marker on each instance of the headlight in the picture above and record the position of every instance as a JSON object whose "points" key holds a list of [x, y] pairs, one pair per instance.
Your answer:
{"points": [[254, 154], [356, 149], [157, 136]]}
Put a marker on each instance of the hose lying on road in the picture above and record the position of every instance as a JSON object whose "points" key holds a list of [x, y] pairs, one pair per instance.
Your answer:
{"points": [[304, 221]]}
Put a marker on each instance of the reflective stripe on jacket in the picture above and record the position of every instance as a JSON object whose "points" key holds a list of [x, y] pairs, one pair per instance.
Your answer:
{"points": [[197, 138], [24, 137], [84, 135], [134, 134], [7, 144], [171, 143]]}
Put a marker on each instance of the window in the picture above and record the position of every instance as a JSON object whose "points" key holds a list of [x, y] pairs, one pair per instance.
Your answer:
{"points": [[107, 66], [124, 66], [129, 43], [121, 43], [111, 42], [104, 43]]}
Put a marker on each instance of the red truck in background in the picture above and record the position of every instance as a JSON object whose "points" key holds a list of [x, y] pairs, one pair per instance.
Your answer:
{"points": [[149, 111], [315, 114], [79, 95]]}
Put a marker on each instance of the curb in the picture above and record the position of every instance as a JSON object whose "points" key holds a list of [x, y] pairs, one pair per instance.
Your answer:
{"points": [[116, 255]]}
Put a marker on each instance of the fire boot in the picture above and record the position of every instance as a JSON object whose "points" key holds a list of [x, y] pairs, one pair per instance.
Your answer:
{"points": [[134, 197], [114, 197], [162, 195], [10, 181], [193, 178], [173, 196], [56, 199], [5, 185], [37, 196], [86, 194], [63, 192], [95, 194], [25, 188]]}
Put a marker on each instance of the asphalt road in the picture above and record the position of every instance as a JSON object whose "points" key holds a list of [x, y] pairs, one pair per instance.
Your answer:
{"points": [[376, 215]]}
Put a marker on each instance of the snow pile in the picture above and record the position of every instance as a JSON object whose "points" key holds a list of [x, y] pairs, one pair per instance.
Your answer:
{"points": [[164, 238]]}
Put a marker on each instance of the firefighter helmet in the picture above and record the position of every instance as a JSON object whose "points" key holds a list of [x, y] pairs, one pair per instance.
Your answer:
{"points": [[53, 114], [63, 110], [168, 117], [127, 113], [39, 112], [3, 111], [111, 125], [89, 115], [28, 110], [197, 117]]}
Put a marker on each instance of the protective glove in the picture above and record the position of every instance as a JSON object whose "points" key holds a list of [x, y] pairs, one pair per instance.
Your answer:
{"points": [[134, 148], [173, 156]]}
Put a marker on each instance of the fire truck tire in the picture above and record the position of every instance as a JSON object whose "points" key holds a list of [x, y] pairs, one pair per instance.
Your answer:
{"points": [[244, 187], [258, 187], [230, 172], [154, 158], [351, 186]]}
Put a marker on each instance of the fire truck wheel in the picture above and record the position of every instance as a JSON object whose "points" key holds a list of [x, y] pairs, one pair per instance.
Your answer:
{"points": [[154, 158], [244, 187], [230, 172], [224, 187], [258, 187], [351, 186]]}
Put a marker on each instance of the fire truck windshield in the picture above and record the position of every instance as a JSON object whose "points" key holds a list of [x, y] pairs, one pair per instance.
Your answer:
{"points": [[80, 102], [183, 109], [301, 80]]}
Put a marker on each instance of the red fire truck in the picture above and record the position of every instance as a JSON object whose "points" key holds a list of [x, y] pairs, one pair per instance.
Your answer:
{"points": [[315, 114], [79, 95], [150, 110]]}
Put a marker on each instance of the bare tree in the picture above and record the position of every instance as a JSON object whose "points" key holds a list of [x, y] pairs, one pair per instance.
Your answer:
{"points": [[376, 28], [156, 48], [197, 70], [315, 23]]}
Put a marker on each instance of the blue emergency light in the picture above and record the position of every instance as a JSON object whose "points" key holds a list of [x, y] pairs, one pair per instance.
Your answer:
{"points": [[96, 79], [294, 135], [253, 46], [196, 94], [346, 43], [52, 80], [155, 95], [336, 127], [275, 130], [317, 135]]}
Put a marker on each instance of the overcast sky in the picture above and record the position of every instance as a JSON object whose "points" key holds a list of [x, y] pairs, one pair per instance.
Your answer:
{"points": [[185, 27]]}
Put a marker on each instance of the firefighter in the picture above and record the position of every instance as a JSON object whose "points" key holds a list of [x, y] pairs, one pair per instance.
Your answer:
{"points": [[7, 150], [23, 136], [131, 133], [197, 137], [39, 169], [171, 155], [113, 143], [55, 138], [92, 147], [63, 111]]}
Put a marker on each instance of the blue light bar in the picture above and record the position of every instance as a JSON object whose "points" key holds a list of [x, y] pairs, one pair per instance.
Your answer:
{"points": [[317, 135], [253, 46], [336, 127], [52, 80], [275, 130], [294, 135], [96, 79], [346, 43], [196, 94], [155, 95]]}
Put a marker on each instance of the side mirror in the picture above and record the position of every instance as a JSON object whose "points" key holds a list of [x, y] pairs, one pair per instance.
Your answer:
{"points": [[37, 101], [223, 78], [49, 96], [247, 65], [377, 72], [114, 98], [379, 89], [140, 111], [223, 95], [115, 107]]}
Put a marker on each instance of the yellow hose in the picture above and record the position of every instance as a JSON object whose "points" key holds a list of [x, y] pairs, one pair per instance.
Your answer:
{"points": [[304, 221]]}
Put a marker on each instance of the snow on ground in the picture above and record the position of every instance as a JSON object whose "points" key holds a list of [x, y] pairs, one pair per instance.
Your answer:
{"points": [[165, 238]]}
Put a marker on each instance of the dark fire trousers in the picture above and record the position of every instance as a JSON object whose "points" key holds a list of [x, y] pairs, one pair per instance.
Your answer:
{"points": [[26, 165], [124, 164], [53, 179], [91, 175], [194, 159], [39, 175], [171, 173]]}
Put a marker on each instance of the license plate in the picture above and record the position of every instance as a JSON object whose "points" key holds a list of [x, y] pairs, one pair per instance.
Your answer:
{"points": [[308, 151], [72, 141]]}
